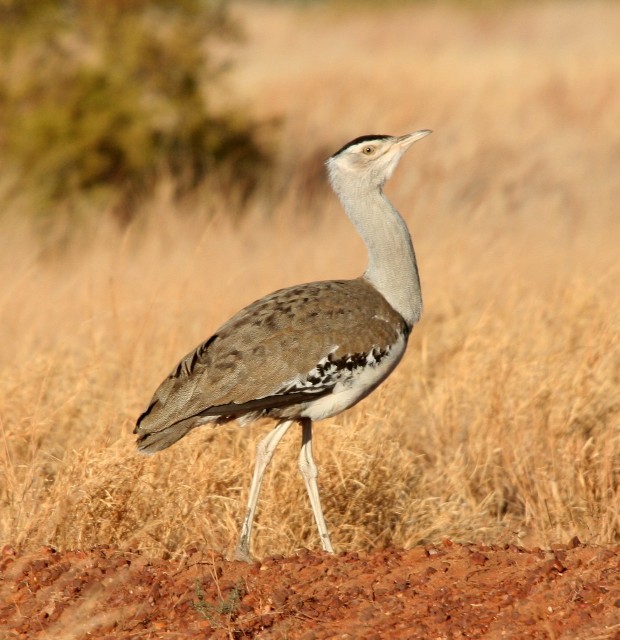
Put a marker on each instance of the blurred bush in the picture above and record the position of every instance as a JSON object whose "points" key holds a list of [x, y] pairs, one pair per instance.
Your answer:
{"points": [[100, 97]]}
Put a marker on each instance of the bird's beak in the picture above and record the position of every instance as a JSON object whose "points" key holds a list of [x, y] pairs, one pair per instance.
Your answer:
{"points": [[409, 138]]}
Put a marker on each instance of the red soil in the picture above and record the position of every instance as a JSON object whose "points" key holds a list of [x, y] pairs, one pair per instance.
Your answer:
{"points": [[450, 591]]}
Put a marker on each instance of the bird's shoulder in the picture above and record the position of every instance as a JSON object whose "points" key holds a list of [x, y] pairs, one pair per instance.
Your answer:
{"points": [[279, 338], [298, 323]]}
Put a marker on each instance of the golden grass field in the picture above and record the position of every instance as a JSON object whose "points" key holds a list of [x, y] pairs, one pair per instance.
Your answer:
{"points": [[502, 424]]}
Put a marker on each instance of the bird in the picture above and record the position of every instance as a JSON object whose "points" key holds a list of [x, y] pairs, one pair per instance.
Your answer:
{"points": [[310, 351]]}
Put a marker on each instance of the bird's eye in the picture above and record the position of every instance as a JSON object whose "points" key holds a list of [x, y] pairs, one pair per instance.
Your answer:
{"points": [[369, 150]]}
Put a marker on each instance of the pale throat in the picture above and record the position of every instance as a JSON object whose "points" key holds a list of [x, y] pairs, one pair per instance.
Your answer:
{"points": [[392, 267]]}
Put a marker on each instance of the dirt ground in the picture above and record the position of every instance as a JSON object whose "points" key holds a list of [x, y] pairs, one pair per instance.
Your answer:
{"points": [[448, 591]]}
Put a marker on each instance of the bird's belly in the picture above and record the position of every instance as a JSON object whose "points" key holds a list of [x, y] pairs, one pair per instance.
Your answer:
{"points": [[353, 388]]}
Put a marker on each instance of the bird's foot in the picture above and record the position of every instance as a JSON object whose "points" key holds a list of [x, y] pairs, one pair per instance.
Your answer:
{"points": [[242, 554]]}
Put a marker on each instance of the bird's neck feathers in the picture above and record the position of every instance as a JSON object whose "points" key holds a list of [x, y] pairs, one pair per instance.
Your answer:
{"points": [[392, 267]]}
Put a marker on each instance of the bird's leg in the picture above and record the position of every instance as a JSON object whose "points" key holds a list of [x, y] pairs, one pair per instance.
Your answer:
{"points": [[309, 473], [264, 452]]}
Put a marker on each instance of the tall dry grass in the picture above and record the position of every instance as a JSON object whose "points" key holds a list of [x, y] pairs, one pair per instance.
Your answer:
{"points": [[502, 422]]}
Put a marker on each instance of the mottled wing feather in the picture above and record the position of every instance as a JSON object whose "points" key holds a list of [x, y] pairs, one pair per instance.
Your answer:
{"points": [[251, 364]]}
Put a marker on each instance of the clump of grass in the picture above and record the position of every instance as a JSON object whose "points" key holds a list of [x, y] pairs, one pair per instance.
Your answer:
{"points": [[226, 607], [98, 99]]}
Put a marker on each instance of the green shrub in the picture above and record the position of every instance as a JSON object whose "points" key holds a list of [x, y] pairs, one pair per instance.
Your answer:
{"points": [[100, 97]]}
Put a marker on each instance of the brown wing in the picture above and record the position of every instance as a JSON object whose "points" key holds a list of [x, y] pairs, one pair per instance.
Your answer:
{"points": [[247, 364]]}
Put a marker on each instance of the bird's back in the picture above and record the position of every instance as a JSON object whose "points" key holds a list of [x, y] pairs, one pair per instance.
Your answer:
{"points": [[274, 357]]}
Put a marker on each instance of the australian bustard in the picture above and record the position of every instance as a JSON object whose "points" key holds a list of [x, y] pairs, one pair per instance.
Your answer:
{"points": [[310, 351]]}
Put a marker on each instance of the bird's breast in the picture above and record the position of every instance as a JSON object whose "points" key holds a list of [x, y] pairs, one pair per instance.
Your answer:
{"points": [[353, 378]]}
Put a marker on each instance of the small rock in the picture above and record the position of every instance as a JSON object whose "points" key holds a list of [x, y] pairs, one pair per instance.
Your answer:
{"points": [[560, 555], [280, 596], [553, 566], [367, 613]]}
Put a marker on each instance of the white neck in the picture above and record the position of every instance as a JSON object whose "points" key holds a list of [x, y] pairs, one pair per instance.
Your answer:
{"points": [[392, 267]]}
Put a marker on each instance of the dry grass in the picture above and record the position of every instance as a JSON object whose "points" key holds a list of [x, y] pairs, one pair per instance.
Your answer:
{"points": [[501, 424]]}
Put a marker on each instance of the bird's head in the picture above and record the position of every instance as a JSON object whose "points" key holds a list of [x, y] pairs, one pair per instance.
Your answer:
{"points": [[369, 160]]}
